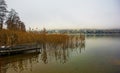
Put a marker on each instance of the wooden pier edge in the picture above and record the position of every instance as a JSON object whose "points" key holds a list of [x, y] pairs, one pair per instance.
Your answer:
{"points": [[18, 50]]}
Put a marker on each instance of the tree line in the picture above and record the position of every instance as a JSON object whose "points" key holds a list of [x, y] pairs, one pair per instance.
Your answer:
{"points": [[10, 18]]}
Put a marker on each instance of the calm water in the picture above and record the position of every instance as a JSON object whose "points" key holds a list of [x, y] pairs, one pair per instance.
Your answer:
{"points": [[94, 55]]}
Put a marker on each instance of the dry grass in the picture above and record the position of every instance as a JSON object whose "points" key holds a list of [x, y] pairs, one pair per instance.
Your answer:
{"points": [[9, 37]]}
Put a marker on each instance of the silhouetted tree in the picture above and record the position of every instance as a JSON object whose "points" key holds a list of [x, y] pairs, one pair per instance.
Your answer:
{"points": [[3, 11], [21, 26], [13, 21]]}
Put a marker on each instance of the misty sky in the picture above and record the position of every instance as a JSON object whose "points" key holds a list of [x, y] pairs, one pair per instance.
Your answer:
{"points": [[71, 14]]}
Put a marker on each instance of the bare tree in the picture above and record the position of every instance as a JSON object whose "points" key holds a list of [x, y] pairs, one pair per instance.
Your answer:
{"points": [[3, 11], [22, 26], [13, 21]]}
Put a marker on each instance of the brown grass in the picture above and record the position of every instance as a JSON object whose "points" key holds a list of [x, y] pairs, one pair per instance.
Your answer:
{"points": [[9, 37]]}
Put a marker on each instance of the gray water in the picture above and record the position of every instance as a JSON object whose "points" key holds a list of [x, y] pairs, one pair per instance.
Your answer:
{"points": [[94, 55]]}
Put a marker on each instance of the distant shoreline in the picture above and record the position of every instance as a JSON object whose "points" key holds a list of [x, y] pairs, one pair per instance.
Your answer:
{"points": [[88, 31]]}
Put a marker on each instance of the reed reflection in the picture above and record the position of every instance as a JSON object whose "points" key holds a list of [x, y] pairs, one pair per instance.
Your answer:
{"points": [[18, 63], [57, 51], [60, 52]]}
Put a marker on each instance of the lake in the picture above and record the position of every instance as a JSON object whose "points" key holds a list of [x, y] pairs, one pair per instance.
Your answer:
{"points": [[97, 54]]}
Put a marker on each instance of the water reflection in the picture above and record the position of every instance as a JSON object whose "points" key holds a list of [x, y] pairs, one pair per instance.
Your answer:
{"points": [[18, 63], [59, 52]]}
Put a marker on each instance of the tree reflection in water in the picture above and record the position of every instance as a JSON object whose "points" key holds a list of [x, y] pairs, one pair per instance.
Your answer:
{"points": [[60, 52]]}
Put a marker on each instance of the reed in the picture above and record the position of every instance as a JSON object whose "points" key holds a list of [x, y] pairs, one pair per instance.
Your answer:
{"points": [[9, 37]]}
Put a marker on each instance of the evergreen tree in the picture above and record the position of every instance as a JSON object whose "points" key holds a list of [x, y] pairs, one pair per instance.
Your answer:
{"points": [[3, 11]]}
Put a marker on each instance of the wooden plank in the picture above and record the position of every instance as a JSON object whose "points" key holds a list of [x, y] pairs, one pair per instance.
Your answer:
{"points": [[17, 49]]}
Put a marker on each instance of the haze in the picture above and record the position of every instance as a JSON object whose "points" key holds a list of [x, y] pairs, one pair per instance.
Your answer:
{"points": [[68, 14]]}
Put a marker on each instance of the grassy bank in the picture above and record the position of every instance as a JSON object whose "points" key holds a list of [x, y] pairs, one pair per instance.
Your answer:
{"points": [[9, 37]]}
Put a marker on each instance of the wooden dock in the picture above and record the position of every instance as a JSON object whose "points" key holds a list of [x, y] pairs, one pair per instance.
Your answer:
{"points": [[18, 49]]}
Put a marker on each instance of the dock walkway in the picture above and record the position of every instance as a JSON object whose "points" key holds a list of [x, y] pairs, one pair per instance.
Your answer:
{"points": [[18, 49]]}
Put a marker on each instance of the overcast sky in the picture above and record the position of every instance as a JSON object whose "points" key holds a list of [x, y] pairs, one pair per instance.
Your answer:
{"points": [[71, 14]]}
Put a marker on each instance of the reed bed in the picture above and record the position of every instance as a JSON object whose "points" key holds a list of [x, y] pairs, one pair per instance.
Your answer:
{"points": [[9, 37]]}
